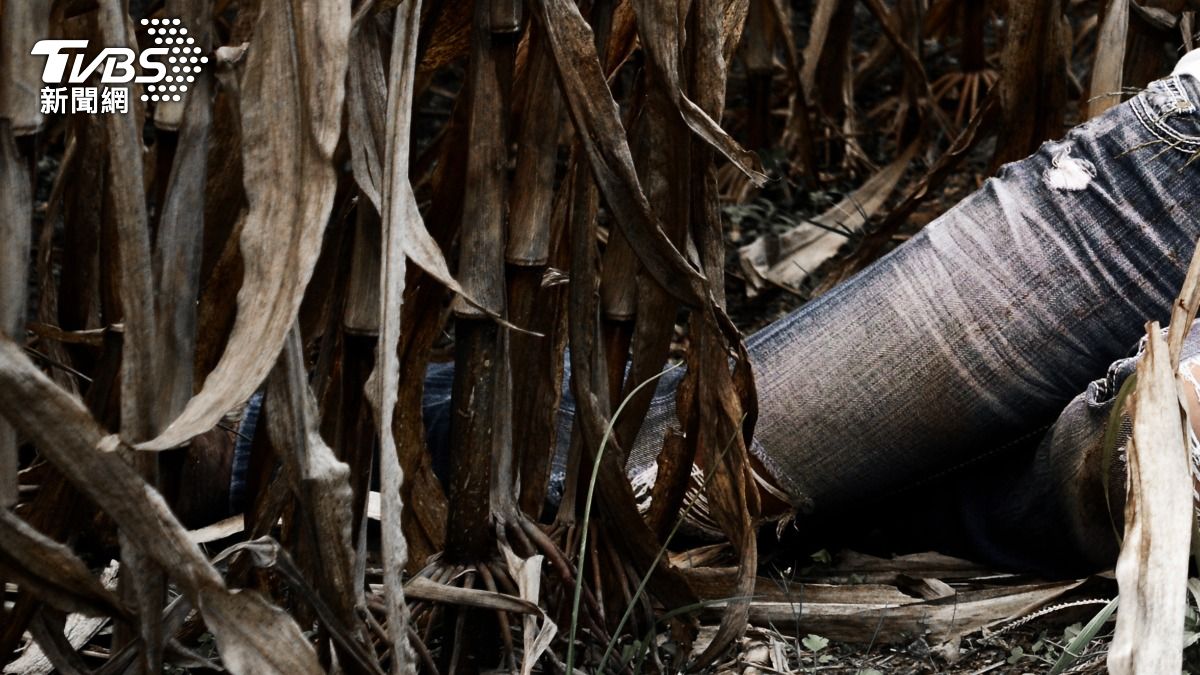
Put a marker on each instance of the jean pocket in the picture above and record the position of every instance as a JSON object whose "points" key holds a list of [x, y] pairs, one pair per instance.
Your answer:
{"points": [[1167, 110]]}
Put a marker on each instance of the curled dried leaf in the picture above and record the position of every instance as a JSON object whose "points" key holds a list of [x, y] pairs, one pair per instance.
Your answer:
{"points": [[252, 635], [1152, 569], [291, 109]]}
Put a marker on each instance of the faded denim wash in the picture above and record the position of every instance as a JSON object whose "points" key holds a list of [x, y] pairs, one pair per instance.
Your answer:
{"points": [[945, 380]]}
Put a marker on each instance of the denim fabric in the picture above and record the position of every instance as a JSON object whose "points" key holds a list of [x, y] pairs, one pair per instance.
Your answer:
{"points": [[986, 324], [241, 452], [1044, 503], [944, 381], [965, 344]]}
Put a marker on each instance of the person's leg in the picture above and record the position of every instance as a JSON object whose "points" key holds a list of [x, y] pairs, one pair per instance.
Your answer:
{"points": [[980, 329], [1053, 506], [973, 336], [1056, 505]]}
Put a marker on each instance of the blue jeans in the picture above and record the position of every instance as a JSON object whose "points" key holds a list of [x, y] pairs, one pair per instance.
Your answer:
{"points": [[965, 380], [979, 333], [944, 382]]}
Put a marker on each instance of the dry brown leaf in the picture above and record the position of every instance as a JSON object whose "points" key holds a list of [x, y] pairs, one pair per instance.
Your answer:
{"points": [[379, 107], [726, 401], [596, 115], [366, 112], [255, 637], [790, 258], [178, 246], [266, 553], [142, 410], [1108, 68], [16, 205], [21, 25], [662, 149], [528, 574], [861, 613], [320, 480], [139, 404], [403, 230], [291, 108], [449, 36], [614, 497], [252, 635], [423, 588], [659, 25], [366, 132], [1152, 569], [622, 36]]}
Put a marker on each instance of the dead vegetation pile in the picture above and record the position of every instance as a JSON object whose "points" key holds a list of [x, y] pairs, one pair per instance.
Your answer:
{"points": [[350, 190]]}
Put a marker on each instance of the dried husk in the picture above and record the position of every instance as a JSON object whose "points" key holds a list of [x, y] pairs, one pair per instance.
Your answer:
{"points": [[291, 109], [1152, 568], [22, 24], [319, 479], [252, 635], [1108, 68], [16, 206]]}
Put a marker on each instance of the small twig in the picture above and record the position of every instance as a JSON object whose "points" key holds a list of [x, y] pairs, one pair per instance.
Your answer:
{"points": [[422, 651], [505, 631], [61, 366]]}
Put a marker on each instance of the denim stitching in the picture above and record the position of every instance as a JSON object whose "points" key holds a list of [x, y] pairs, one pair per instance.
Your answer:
{"points": [[1155, 122], [1167, 135], [1176, 86], [1181, 104], [1157, 127]]}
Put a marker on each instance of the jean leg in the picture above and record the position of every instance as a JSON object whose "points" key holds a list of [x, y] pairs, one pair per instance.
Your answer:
{"points": [[435, 412], [439, 380], [988, 322], [1053, 505], [974, 335]]}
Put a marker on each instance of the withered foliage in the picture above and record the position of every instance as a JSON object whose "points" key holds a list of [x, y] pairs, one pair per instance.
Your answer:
{"points": [[556, 172]]}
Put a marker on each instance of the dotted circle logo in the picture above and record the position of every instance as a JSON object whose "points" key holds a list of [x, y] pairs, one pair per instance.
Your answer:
{"points": [[184, 59]]}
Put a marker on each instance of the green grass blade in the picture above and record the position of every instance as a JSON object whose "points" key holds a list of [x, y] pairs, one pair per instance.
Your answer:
{"points": [[637, 594], [1074, 648], [587, 516]]}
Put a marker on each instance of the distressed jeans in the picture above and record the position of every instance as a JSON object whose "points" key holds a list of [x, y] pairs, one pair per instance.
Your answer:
{"points": [[965, 379]]}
